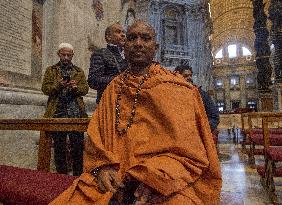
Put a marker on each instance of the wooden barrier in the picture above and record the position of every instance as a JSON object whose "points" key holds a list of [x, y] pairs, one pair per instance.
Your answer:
{"points": [[45, 126], [272, 154], [229, 121]]}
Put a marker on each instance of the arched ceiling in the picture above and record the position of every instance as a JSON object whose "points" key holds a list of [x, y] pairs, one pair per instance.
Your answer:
{"points": [[233, 22]]}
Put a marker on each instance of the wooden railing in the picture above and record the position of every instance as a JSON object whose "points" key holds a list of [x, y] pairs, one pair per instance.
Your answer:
{"points": [[45, 126], [230, 120], [252, 120]]}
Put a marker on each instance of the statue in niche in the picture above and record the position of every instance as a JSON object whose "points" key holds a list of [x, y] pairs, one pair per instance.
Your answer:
{"points": [[130, 17], [36, 40], [98, 9], [36, 33]]}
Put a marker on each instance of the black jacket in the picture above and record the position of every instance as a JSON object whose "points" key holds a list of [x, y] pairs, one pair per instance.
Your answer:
{"points": [[105, 64], [211, 109]]}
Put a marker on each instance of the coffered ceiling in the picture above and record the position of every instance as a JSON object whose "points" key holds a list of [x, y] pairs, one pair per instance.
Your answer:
{"points": [[233, 22]]}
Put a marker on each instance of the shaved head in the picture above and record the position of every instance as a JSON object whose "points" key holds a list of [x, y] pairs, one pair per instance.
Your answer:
{"points": [[138, 23], [140, 46]]}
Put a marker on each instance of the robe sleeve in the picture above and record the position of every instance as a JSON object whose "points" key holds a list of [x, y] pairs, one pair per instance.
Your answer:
{"points": [[98, 144]]}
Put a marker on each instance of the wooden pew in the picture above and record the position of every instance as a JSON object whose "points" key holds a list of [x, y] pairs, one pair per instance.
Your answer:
{"points": [[253, 134], [45, 125], [26, 186], [244, 131], [272, 154]]}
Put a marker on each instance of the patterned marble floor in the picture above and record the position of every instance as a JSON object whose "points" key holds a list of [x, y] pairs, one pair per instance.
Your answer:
{"points": [[241, 184], [240, 181]]}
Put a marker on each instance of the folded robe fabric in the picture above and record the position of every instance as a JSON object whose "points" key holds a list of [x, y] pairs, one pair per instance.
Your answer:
{"points": [[169, 146]]}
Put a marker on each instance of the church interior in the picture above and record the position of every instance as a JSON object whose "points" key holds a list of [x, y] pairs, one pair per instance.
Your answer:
{"points": [[233, 46]]}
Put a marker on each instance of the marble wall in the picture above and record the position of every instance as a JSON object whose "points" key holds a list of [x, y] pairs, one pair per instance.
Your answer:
{"points": [[183, 29], [31, 31]]}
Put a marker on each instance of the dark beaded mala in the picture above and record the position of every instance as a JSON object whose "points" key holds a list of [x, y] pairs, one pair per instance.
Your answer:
{"points": [[122, 131]]}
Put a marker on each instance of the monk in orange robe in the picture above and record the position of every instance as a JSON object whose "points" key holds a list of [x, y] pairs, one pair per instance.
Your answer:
{"points": [[144, 145]]}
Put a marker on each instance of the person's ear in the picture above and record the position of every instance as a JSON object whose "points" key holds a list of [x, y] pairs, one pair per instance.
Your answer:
{"points": [[108, 38], [157, 46]]}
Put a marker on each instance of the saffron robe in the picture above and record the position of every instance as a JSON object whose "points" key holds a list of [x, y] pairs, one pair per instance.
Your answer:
{"points": [[169, 146]]}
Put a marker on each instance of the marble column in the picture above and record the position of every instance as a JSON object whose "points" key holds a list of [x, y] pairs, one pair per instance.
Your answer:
{"points": [[227, 93], [277, 96], [275, 15], [261, 46], [262, 56], [195, 40], [243, 91], [155, 20]]}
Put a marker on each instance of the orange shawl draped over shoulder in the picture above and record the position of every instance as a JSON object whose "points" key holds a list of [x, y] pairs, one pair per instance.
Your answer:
{"points": [[169, 146]]}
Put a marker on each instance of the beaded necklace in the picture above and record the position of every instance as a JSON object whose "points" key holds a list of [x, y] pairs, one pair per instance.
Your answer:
{"points": [[122, 131]]}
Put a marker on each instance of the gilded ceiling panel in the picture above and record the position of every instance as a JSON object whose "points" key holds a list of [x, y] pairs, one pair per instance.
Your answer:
{"points": [[233, 22]]}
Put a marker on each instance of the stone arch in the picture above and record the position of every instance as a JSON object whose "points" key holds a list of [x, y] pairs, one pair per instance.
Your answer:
{"points": [[238, 35]]}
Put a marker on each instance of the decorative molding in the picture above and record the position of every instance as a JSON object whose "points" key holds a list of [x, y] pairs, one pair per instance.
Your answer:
{"points": [[19, 96]]}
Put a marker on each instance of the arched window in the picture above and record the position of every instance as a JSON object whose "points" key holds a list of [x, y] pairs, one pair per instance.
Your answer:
{"points": [[246, 52], [130, 17], [219, 54], [232, 51]]}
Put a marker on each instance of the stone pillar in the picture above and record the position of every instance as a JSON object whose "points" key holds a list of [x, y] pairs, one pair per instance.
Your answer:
{"points": [[227, 93], [243, 91], [206, 79], [275, 15], [196, 26], [265, 102], [262, 56], [277, 96], [155, 20]]}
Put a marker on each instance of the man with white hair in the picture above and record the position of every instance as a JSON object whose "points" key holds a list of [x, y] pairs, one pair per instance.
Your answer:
{"points": [[65, 84]]}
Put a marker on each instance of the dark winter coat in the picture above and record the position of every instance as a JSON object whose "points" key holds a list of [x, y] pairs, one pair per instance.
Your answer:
{"points": [[105, 64], [52, 88]]}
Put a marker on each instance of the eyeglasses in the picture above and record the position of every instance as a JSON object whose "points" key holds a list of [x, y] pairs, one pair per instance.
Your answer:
{"points": [[66, 54]]}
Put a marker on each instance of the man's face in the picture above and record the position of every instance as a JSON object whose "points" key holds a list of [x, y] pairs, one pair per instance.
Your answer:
{"points": [[65, 55], [117, 35], [140, 46], [187, 74]]}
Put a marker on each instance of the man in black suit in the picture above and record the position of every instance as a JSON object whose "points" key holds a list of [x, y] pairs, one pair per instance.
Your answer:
{"points": [[106, 63]]}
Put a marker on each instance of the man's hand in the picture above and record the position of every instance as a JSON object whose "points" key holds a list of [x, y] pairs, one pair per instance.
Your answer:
{"points": [[63, 82], [73, 84], [108, 180]]}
